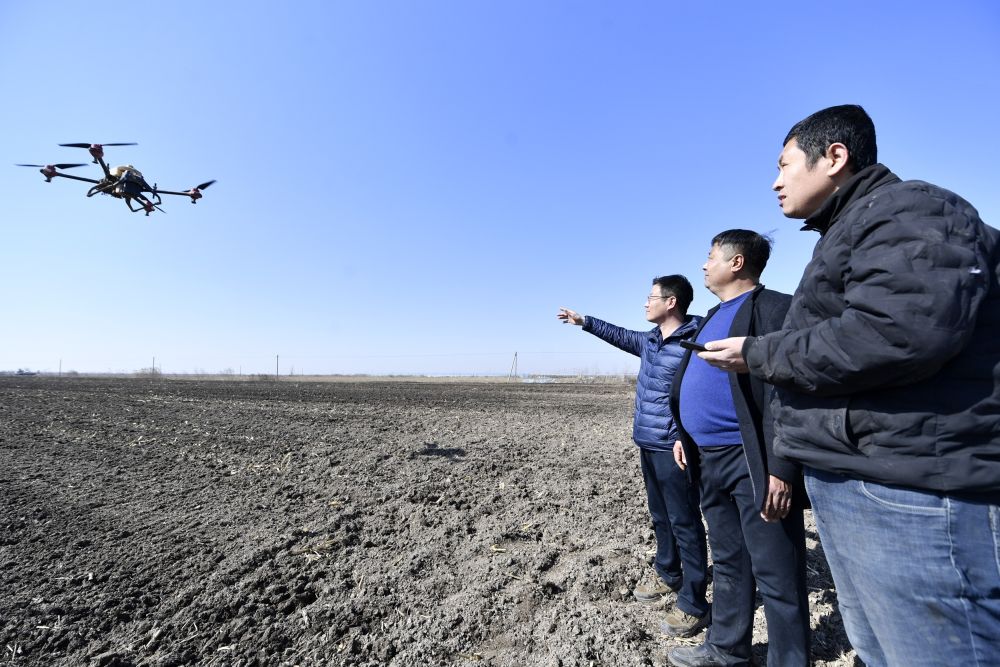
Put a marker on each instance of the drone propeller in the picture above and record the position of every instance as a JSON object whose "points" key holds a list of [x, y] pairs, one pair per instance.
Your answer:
{"points": [[61, 165], [195, 192], [96, 150], [89, 145]]}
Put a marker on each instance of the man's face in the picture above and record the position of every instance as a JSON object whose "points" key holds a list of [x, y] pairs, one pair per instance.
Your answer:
{"points": [[801, 189], [718, 269], [657, 305]]}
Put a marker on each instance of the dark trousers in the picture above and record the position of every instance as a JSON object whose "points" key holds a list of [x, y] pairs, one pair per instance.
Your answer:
{"points": [[746, 548], [681, 554]]}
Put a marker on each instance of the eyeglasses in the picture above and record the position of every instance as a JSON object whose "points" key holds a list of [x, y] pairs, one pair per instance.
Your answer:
{"points": [[651, 297]]}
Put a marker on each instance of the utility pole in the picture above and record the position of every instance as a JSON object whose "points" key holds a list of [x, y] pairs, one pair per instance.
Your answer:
{"points": [[513, 369], [276, 373], [154, 365]]}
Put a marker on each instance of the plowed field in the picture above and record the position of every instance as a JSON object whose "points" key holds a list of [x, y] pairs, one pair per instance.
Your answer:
{"points": [[168, 522]]}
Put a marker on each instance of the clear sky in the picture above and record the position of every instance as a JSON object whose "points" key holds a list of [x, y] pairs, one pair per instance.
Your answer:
{"points": [[417, 186]]}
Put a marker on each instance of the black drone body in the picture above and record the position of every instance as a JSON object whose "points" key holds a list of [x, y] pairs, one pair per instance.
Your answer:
{"points": [[123, 182]]}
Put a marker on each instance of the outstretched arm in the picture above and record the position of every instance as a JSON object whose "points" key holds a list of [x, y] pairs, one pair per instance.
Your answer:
{"points": [[624, 339]]}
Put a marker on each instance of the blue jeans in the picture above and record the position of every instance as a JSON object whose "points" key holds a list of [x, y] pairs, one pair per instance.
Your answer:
{"points": [[917, 573], [681, 554]]}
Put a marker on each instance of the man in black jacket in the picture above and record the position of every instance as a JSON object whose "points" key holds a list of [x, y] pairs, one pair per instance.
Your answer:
{"points": [[748, 495], [887, 372]]}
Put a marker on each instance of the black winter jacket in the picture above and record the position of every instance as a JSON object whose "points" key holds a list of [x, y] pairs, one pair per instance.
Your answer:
{"points": [[888, 364], [763, 312]]}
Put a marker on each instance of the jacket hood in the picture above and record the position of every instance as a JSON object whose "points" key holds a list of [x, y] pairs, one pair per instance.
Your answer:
{"points": [[859, 185]]}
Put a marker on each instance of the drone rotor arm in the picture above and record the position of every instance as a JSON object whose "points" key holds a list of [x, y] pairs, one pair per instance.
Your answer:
{"points": [[77, 178], [104, 166], [194, 193]]}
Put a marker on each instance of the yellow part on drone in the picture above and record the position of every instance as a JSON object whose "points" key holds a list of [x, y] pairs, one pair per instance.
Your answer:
{"points": [[117, 172]]}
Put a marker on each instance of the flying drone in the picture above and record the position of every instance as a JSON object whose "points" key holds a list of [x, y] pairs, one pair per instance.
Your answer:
{"points": [[123, 182]]}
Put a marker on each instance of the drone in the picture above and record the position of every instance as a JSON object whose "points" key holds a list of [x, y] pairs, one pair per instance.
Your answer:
{"points": [[123, 182]]}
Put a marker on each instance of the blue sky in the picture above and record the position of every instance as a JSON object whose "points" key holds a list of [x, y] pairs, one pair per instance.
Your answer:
{"points": [[416, 187]]}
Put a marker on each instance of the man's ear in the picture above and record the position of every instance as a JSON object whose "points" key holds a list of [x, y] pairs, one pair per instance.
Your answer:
{"points": [[737, 261], [838, 157]]}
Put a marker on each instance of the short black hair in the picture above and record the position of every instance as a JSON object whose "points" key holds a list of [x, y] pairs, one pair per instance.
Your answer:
{"points": [[846, 124], [678, 287], [755, 248]]}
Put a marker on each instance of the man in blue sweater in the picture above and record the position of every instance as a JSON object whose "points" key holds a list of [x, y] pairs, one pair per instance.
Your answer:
{"points": [[752, 499], [681, 563]]}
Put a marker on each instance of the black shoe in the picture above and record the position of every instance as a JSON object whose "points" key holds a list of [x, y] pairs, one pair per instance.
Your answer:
{"points": [[693, 656]]}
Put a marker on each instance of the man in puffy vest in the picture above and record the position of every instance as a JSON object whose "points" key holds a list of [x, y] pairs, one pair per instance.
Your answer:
{"points": [[681, 562], [887, 377]]}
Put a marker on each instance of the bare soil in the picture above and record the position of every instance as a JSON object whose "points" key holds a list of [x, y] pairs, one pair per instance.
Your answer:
{"points": [[167, 523]]}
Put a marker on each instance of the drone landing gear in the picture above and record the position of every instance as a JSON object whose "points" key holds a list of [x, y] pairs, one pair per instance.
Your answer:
{"points": [[145, 205], [100, 188]]}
